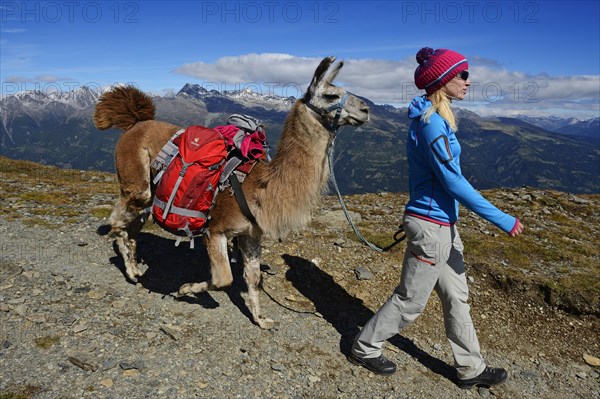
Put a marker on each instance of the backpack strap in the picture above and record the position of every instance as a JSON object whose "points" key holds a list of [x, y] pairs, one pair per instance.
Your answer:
{"points": [[178, 211], [175, 188], [165, 156], [189, 233], [241, 199], [230, 166]]}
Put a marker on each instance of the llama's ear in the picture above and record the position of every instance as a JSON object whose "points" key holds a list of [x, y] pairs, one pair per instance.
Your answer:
{"points": [[319, 74], [332, 75]]}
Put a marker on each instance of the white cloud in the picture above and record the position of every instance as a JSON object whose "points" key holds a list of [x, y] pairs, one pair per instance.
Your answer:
{"points": [[494, 89], [13, 30], [40, 78], [266, 67], [380, 84]]}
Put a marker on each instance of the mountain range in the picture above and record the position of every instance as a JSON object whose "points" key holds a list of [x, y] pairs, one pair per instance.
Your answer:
{"points": [[549, 153], [587, 130]]}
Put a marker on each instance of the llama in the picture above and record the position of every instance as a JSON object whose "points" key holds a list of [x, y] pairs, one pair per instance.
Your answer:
{"points": [[280, 193]]}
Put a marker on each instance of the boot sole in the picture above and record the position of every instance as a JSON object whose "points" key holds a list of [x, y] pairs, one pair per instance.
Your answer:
{"points": [[481, 384], [359, 362]]}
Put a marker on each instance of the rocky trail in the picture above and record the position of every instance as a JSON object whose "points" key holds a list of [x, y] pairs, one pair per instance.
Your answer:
{"points": [[71, 326]]}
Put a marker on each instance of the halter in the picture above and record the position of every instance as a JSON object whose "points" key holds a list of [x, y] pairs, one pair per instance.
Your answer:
{"points": [[334, 127]]}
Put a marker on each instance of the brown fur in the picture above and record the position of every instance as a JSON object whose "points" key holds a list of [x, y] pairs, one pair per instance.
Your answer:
{"points": [[109, 112], [280, 194]]}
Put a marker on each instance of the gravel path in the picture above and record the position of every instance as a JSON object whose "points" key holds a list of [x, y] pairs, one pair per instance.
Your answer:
{"points": [[71, 326]]}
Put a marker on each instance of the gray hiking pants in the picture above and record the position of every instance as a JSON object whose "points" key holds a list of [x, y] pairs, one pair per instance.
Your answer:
{"points": [[433, 260]]}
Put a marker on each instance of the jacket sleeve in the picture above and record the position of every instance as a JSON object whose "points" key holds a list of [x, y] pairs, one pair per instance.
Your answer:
{"points": [[436, 149]]}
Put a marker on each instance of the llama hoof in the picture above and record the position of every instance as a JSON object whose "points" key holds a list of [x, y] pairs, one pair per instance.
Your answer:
{"points": [[192, 288], [133, 275], [265, 323], [184, 290]]}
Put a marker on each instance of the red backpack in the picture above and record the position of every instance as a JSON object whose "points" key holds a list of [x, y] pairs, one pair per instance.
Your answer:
{"points": [[187, 187]]}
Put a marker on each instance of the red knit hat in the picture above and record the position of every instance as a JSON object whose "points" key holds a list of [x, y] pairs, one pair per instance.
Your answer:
{"points": [[438, 67]]}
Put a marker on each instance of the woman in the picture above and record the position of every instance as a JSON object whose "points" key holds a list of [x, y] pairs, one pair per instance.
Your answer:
{"points": [[433, 259]]}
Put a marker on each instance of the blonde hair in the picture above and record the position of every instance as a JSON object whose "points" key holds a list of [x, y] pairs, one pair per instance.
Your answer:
{"points": [[440, 103]]}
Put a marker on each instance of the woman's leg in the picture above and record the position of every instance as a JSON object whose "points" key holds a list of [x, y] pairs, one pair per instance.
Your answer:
{"points": [[453, 292], [419, 276]]}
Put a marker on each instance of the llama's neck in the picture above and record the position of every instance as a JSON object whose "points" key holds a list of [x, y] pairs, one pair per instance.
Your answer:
{"points": [[296, 176]]}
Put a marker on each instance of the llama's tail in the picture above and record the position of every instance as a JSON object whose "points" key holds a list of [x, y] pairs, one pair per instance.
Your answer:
{"points": [[123, 107]]}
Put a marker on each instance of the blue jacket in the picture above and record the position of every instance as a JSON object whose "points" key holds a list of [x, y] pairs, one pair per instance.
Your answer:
{"points": [[436, 182]]}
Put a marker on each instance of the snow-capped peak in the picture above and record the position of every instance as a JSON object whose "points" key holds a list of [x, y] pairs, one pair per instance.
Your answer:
{"points": [[245, 96]]}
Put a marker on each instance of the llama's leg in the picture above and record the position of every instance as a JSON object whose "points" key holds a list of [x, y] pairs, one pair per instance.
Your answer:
{"points": [[220, 270], [133, 231], [133, 170], [126, 224], [250, 249]]}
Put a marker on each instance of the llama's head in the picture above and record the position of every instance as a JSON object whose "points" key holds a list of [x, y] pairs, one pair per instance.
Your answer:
{"points": [[334, 105]]}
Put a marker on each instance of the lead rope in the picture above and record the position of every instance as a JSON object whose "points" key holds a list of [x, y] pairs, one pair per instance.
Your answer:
{"points": [[333, 130], [397, 238]]}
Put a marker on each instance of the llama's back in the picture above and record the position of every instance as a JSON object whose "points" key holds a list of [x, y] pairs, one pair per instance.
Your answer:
{"points": [[122, 108]]}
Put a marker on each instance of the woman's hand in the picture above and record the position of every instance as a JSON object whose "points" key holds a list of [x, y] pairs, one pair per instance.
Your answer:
{"points": [[518, 229]]}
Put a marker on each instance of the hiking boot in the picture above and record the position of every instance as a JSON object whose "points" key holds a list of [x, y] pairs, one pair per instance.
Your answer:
{"points": [[378, 365], [490, 376]]}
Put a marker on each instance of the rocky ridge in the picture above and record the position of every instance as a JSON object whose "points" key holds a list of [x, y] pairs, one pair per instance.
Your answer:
{"points": [[71, 326]]}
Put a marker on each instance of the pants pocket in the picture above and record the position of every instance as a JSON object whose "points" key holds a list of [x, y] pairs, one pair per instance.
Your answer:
{"points": [[423, 240], [423, 258]]}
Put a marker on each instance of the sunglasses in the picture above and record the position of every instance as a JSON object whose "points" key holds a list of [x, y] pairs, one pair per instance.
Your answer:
{"points": [[464, 75]]}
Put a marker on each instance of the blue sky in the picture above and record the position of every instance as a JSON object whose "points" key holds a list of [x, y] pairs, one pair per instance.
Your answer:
{"points": [[526, 57]]}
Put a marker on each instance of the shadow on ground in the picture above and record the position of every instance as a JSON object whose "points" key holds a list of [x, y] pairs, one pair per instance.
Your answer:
{"points": [[168, 267], [346, 313]]}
